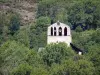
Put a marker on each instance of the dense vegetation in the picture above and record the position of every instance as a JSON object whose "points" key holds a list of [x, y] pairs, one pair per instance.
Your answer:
{"points": [[19, 45]]}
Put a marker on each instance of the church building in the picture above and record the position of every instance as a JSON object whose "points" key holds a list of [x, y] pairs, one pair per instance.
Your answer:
{"points": [[59, 32]]}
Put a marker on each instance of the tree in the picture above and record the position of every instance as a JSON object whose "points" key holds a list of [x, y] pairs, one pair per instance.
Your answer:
{"points": [[1, 22], [38, 32], [14, 24], [55, 9], [12, 54], [54, 53], [22, 69], [70, 67], [93, 55], [96, 35], [40, 71], [43, 23], [83, 40], [82, 13], [22, 36], [78, 29]]}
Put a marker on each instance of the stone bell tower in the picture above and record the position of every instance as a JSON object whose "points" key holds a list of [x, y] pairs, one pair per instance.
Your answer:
{"points": [[59, 32]]}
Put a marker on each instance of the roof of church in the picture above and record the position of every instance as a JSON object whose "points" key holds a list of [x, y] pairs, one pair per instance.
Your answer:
{"points": [[76, 49], [59, 24]]}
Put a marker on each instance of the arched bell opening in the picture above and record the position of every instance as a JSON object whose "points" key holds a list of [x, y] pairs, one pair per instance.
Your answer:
{"points": [[55, 31], [51, 31], [65, 31], [60, 31]]}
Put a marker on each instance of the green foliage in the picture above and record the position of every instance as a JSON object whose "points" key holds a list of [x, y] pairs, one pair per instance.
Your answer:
{"points": [[70, 67], [1, 23], [38, 34], [96, 36], [85, 67], [93, 55], [4, 1], [16, 57], [54, 53], [6, 25], [84, 39], [22, 36], [78, 29], [3, 27], [14, 24], [55, 9], [40, 71], [12, 54], [89, 41], [84, 13], [22, 69], [42, 23]]}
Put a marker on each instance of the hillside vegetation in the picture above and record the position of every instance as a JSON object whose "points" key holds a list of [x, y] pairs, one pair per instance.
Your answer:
{"points": [[23, 30], [26, 9]]}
